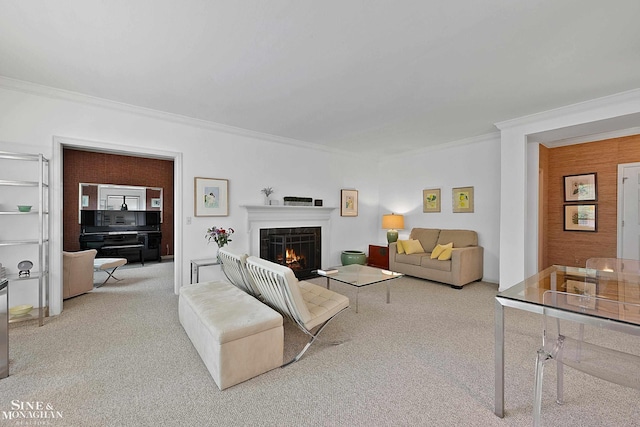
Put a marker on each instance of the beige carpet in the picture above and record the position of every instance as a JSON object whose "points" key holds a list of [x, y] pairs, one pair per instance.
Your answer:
{"points": [[118, 356]]}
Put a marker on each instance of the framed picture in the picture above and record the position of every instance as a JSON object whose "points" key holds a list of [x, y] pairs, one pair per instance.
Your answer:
{"points": [[462, 199], [579, 188], [155, 202], [580, 217], [431, 200], [211, 197], [348, 202], [85, 201]]}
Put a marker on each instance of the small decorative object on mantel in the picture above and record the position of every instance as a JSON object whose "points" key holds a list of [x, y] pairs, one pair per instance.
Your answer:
{"points": [[219, 235], [267, 191], [298, 201]]}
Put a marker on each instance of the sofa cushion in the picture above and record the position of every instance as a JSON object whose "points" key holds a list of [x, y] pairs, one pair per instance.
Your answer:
{"points": [[400, 246], [413, 247], [434, 264], [460, 238], [439, 249], [428, 237], [414, 259], [446, 254]]}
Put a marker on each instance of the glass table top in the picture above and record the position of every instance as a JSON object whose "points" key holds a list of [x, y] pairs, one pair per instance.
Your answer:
{"points": [[362, 275], [576, 284]]}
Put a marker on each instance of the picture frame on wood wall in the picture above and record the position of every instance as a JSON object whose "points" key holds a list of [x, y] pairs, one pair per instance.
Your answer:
{"points": [[580, 217], [580, 188]]}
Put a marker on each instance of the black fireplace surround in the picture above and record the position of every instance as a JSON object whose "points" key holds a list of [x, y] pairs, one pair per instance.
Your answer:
{"points": [[298, 248]]}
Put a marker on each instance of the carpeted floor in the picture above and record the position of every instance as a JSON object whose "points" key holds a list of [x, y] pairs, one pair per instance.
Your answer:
{"points": [[118, 356]]}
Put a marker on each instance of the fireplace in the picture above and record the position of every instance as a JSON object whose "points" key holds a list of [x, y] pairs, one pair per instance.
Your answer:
{"points": [[299, 248]]}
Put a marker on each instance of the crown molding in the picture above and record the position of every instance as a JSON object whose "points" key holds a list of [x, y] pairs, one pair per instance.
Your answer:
{"points": [[55, 93], [592, 138], [581, 107], [493, 136]]}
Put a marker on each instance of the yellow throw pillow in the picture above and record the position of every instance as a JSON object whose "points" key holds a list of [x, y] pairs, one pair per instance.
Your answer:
{"points": [[446, 254], [437, 251], [400, 246], [412, 247]]}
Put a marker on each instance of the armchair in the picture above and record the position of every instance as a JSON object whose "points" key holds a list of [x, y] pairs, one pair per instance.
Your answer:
{"points": [[309, 306], [234, 268], [77, 272]]}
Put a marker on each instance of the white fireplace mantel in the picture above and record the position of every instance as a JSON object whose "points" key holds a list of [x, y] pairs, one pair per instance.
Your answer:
{"points": [[284, 214], [269, 216]]}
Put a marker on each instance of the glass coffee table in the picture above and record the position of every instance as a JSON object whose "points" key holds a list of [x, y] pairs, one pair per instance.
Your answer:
{"points": [[359, 276]]}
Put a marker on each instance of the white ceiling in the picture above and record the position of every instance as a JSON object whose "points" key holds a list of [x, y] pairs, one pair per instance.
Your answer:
{"points": [[375, 75]]}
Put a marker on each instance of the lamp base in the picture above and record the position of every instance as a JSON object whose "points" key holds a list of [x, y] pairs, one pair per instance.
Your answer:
{"points": [[392, 236]]}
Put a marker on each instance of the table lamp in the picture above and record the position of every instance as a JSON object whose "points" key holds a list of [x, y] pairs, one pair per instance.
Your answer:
{"points": [[392, 223]]}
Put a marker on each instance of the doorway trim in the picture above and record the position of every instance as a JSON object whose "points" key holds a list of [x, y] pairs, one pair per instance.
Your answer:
{"points": [[620, 208], [56, 223]]}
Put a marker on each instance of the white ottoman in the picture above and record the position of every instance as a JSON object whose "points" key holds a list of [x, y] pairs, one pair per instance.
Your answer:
{"points": [[236, 336], [106, 264]]}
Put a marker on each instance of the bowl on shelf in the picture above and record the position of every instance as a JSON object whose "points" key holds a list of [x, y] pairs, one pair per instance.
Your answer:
{"points": [[24, 208], [19, 310]]}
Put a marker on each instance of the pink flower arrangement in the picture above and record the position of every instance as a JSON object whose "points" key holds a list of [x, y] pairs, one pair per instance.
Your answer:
{"points": [[219, 235]]}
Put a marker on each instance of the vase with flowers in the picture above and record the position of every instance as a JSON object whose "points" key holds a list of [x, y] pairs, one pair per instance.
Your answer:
{"points": [[267, 191], [221, 236]]}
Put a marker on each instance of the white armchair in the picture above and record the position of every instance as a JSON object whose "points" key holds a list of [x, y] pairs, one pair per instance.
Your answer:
{"points": [[309, 306]]}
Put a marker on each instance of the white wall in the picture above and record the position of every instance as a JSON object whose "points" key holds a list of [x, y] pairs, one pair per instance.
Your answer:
{"points": [[30, 122], [518, 231], [474, 162]]}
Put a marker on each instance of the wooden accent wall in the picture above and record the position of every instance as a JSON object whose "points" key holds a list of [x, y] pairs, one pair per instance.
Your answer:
{"points": [[101, 168], [602, 157]]}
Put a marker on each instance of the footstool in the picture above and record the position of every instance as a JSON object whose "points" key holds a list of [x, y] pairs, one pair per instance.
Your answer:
{"points": [[237, 336], [106, 264]]}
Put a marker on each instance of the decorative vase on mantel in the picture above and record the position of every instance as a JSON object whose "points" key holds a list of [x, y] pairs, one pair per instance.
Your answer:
{"points": [[267, 200]]}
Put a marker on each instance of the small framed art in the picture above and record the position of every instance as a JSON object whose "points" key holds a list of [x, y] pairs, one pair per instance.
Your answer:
{"points": [[348, 202], [211, 197], [580, 218], [462, 199], [431, 200], [155, 202], [580, 188]]}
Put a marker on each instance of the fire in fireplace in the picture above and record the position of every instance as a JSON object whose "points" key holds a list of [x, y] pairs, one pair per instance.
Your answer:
{"points": [[298, 248]]}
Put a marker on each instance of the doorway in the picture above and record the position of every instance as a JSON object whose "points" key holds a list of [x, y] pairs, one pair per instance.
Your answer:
{"points": [[628, 211], [57, 201]]}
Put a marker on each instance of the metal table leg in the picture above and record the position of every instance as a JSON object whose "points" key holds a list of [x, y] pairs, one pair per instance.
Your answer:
{"points": [[499, 359]]}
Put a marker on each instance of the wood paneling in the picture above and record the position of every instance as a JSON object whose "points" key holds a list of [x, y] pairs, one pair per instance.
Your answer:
{"points": [[90, 167], [602, 157]]}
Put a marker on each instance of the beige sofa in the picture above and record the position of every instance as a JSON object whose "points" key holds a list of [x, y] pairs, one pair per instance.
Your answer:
{"points": [[465, 265]]}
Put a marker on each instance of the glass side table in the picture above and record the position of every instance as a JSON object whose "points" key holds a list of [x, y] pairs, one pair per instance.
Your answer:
{"points": [[197, 263]]}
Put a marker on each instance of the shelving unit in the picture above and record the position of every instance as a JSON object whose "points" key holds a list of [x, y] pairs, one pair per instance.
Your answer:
{"points": [[41, 240]]}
